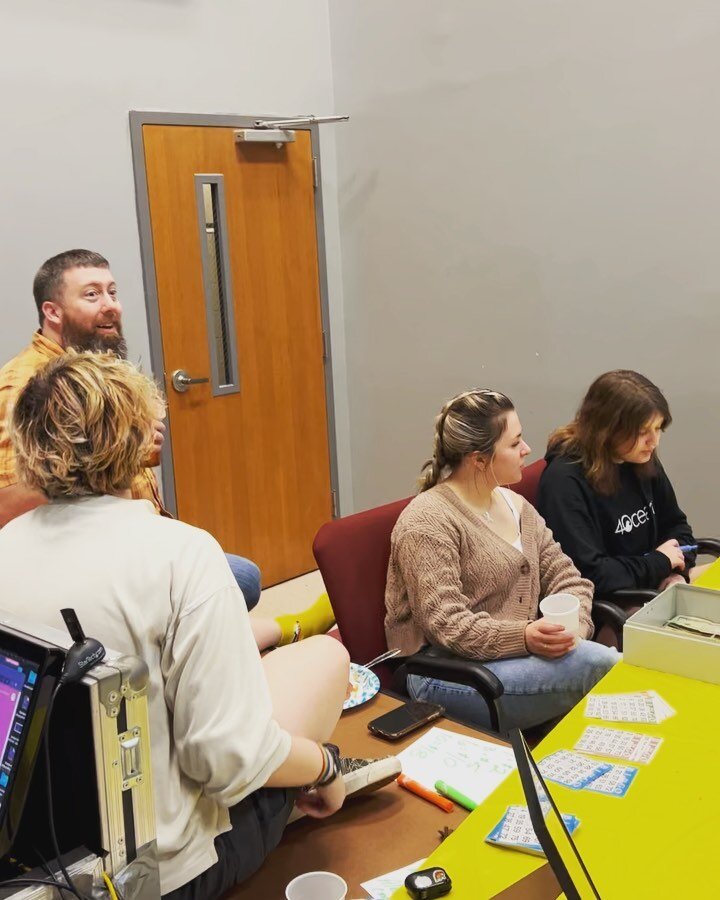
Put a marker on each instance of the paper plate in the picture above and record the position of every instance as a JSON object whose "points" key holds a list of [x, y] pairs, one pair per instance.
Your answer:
{"points": [[365, 684]]}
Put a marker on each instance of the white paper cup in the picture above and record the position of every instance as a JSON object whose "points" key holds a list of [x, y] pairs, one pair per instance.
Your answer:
{"points": [[317, 886], [562, 609]]}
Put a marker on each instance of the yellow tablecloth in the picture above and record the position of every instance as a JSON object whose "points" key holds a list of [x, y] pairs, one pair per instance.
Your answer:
{"points": [[711, 578], [659, 841]]}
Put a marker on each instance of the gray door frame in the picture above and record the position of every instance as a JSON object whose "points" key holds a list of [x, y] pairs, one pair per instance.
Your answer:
{"points": [[137, 120]]}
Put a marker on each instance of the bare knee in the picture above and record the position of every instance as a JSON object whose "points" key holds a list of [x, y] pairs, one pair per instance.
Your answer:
{"points": [[265, 631], [329, 653]]}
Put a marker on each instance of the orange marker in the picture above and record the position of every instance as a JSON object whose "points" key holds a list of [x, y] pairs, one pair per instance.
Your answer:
{"points": [[426, 794]]}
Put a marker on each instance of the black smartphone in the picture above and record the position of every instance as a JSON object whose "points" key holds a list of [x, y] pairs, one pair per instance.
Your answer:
{"points": [[401, 721]]}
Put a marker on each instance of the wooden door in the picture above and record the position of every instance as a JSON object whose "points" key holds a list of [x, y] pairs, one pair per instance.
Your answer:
{"points": [[250, 466]]}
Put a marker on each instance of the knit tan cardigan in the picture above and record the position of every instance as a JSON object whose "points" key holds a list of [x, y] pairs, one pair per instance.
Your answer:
{"points": [[454, 583]]}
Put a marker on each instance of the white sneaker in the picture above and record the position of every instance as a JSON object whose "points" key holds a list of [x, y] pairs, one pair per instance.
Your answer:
{"points": [[361, 776]]}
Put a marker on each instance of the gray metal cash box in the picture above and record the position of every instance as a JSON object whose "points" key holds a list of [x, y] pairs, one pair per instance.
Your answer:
{"points": [[647, 643]]}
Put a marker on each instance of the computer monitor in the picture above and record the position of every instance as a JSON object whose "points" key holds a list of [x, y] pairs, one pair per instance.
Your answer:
{"points": [[555, 840], [29, 669]]}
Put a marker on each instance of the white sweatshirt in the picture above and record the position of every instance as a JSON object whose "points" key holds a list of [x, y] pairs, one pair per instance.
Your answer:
{"points": [[162, 590]]}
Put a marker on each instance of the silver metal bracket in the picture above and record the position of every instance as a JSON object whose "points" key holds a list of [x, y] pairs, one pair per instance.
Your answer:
{"points": [[298, 121], [130, 679], [277, 136], [130, 743]]}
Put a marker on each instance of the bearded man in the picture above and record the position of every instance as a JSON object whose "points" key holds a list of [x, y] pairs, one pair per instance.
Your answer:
{"points": [[78, 307]]}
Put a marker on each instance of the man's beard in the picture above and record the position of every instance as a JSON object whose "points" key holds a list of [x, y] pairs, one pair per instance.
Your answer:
{"points": [[82, 339]]}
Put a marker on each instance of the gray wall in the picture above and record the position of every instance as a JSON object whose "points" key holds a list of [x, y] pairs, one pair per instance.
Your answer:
{"points": [[529, 192], [69, 74], [529, 196]]}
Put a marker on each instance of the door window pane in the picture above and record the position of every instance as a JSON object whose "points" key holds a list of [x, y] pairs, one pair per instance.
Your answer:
{"points": [[217, 283]]}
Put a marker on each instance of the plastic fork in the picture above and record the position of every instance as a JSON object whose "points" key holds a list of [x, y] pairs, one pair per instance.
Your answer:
{"points": [[388, 654]]}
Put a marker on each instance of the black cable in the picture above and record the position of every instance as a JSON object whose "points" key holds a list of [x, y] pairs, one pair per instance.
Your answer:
{"points": [[44, 864], [50, 874], [50, 811]]}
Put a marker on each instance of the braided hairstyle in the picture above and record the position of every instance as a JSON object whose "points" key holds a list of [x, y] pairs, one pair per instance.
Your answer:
{"points": [[472, 422]]}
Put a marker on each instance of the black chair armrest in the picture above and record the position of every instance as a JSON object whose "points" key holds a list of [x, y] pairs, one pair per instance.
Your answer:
{"points": [[612, 609], [606, 613], [438, 663], [630, 597], [708, 546]]}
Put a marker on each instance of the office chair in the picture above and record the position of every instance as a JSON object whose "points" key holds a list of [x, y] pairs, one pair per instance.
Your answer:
{"points": [[352, 554]]}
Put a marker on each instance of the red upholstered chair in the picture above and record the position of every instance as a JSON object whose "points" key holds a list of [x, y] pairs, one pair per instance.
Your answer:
{"points": [[528, 487], [352, 554]]}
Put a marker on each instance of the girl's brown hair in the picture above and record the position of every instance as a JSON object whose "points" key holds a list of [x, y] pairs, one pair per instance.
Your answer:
{"points": [[472, 422], [614, 411], [83, 425]]}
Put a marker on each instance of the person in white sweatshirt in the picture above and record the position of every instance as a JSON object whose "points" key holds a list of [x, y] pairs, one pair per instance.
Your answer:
{"points": [[233, 735]]}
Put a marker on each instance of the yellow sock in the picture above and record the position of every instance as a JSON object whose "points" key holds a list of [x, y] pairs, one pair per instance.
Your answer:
{"points": [[316, 619]]}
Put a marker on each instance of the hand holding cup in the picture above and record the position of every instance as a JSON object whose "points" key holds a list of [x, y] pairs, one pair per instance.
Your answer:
{"points": [[559, 629]]}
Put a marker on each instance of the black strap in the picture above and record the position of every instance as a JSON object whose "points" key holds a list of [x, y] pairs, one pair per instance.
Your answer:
{"points": [[127, 795], [526, 764]]}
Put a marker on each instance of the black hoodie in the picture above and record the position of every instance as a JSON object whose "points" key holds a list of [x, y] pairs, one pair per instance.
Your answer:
{"points": [[612, 538]]}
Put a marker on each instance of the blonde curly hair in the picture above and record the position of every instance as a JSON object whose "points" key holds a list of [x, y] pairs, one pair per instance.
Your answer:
{"points": [[83, 425]]}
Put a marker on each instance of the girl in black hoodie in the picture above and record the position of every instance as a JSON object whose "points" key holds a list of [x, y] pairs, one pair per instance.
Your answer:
{"points": [[605, 495]]}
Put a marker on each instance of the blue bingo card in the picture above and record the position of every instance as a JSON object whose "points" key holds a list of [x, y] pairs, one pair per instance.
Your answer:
{"points": [[571, 769], [515, 830], [616, 782]]}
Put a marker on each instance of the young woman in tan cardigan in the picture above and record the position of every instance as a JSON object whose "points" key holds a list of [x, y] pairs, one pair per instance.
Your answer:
{"points": [[471, 560]]}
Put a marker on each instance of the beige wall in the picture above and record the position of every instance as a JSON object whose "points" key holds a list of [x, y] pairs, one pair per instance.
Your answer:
{"points": [[529, 195]]}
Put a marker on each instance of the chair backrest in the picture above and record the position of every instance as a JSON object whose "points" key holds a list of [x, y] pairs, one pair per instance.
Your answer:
{"points": [[528, 487], [352, 554]]}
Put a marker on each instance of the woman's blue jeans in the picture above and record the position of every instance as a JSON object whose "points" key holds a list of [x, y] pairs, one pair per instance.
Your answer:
{"points": [[536, 689]]}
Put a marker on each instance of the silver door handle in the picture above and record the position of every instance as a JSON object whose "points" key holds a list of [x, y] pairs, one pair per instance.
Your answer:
{"points": [[181, 381]]}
